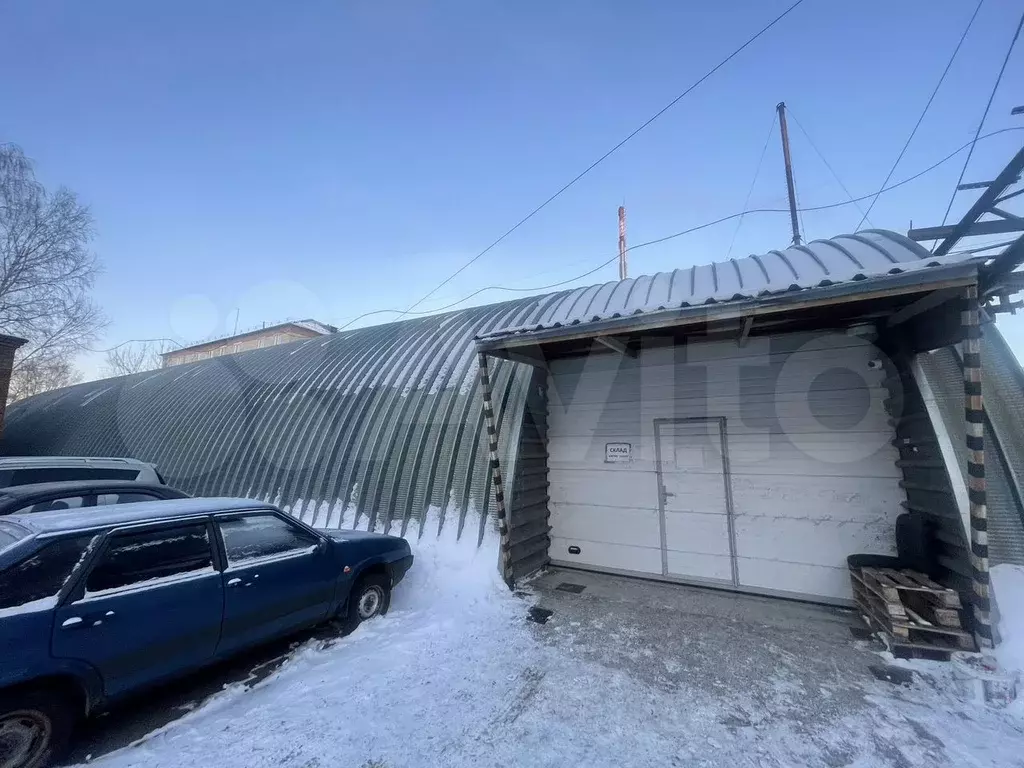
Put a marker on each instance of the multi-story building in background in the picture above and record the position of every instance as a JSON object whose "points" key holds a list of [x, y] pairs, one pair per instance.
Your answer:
{"points": [[268, 336]]}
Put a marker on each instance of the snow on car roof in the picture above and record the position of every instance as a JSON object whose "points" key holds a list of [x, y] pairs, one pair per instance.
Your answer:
{"points": [[9, 462], [121, 514], [58, 486]]}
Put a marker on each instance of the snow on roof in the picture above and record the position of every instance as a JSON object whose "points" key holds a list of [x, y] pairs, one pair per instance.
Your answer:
{"points": [[116, 514], [314, 325]]}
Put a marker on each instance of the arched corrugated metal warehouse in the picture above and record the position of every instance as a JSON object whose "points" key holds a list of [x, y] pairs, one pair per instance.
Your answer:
{"points": [[357, 429], [374, 427]]}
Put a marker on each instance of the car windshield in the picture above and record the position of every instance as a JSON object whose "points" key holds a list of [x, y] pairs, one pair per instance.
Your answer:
{"points": [[10, 533]]}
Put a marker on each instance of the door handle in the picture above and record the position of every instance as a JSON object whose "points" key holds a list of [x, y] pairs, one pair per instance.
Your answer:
{"points": [[237, 582], [82, 622]]}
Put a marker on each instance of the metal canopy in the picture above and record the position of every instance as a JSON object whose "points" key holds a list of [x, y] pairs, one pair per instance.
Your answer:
{"points": [[862, 267]]}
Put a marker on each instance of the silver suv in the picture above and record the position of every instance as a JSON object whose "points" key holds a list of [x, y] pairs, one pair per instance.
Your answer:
{"points": [[26, 470]]}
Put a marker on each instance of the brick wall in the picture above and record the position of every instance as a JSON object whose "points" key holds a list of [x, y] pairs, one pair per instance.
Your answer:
{"points": [[269, 337], [8, 346]]}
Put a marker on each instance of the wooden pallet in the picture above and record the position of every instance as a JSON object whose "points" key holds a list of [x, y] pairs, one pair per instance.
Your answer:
{"points": [[917, 615], [889, 583]]}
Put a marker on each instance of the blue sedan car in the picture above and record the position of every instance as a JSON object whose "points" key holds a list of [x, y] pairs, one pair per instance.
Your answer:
{"points": [[101, 602]]}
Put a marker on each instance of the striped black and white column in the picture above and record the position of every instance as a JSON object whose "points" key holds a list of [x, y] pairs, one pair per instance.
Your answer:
{"points": [[974, 406], [504, 558]]}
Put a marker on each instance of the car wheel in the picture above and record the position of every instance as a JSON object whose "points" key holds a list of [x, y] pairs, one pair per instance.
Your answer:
{"points": [[34, 727], [370, 598]]}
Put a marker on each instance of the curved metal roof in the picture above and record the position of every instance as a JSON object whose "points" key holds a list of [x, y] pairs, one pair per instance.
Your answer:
{"points": [[820, 263], [372, 426], [356, 429]]}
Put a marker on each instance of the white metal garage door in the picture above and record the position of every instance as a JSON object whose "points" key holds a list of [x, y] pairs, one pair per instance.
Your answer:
{"points": [[759, 468]]}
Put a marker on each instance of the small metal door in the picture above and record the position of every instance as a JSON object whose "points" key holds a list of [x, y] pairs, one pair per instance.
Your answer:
{"points": [[695, 500]]}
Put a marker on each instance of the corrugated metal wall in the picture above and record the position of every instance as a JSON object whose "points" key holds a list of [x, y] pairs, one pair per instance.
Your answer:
{"points": [[369, 428], [1003, 387], [529, 518], [923, 463], [1004, 405]]}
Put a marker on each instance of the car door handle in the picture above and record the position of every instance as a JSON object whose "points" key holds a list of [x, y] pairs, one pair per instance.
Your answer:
{"points": [[237, 582], [81, 622]]}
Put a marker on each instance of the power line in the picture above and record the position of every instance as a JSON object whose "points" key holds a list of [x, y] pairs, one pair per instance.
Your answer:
{"points": [[926, 107], [757, 172], [674, 235], [984, 115], [827, 164], [132, 341], [606, 155]]}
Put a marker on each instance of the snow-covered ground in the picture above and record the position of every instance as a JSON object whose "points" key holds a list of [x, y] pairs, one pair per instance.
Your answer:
{"points": [[1008, 588], [455, 676]]}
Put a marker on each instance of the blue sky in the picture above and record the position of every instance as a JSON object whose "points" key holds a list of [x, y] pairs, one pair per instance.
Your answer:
{"points": [[325, 159]]}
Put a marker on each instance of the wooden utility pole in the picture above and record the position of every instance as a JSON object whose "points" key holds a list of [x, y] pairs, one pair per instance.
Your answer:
{"points": [[623, 266], [790, 185]]}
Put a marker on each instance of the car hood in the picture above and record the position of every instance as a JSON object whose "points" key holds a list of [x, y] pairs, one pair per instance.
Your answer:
{"points": [[343, 535]]}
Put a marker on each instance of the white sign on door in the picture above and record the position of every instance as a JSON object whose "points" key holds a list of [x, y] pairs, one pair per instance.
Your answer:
{"points": [[615, 452]]}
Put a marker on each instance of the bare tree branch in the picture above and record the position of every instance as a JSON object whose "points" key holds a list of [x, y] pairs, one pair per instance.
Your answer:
{"points": [[132, 358], [41, 375], [46, 276]]}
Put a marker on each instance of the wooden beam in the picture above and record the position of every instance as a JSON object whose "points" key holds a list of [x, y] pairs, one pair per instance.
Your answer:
{"points": [[615, 345], [537, 361], [748, 323], [926, 302], [529, 357]]}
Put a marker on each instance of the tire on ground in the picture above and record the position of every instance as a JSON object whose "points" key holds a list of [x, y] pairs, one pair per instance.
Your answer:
{"points": [[54, 713], [375, 583]]}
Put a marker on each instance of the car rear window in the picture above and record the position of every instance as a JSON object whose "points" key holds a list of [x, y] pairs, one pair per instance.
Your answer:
{"points": [[30, 476], [10, 533], [42, 575]]}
